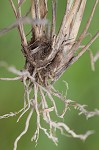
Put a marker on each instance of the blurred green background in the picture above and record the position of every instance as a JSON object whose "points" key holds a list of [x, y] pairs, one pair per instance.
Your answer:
{"points": [[83, 87]]}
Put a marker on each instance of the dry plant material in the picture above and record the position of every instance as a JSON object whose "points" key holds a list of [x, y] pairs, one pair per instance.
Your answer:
{"points": [[47, 56]]}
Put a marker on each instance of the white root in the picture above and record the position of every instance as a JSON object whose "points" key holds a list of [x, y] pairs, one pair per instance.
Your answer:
{"points": [[24, 131], [43, 108]]}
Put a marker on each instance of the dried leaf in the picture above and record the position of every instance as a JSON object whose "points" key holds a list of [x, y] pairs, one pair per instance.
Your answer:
{"points": [[43, 9]]}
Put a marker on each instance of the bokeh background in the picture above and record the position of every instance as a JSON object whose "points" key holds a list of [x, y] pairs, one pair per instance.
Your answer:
{"points": [[83, 87]]}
